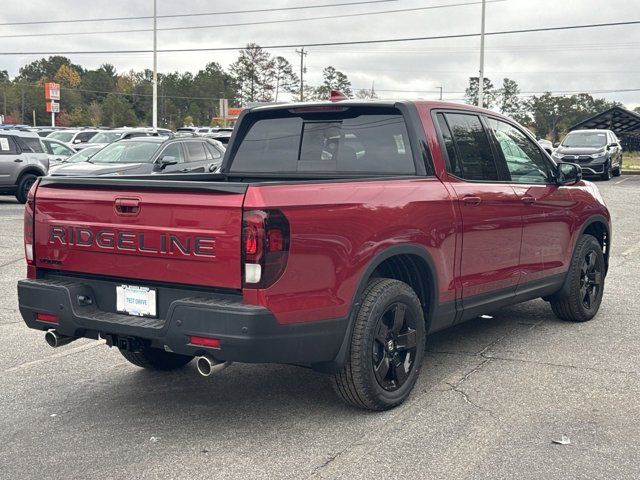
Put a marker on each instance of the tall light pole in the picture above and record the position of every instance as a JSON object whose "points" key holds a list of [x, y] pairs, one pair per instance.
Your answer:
{"points": [[481, 77], [155, 66], [302, 54]]}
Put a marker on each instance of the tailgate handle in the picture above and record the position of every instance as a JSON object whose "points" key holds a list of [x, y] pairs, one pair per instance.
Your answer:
{"points": [[127, 206]]}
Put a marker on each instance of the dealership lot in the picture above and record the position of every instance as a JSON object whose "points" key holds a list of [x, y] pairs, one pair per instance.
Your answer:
{"points": [[494, 394]]}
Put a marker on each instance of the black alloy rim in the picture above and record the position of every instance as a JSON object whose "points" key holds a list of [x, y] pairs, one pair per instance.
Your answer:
{"points": [[590, 280], [394, 346], [27, 186]]}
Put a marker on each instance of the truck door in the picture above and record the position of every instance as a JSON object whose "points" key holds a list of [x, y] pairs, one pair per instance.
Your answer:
{"points": [[489, 208]]}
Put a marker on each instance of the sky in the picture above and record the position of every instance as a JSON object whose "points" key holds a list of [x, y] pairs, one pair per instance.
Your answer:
{"points": [[588, 60]]}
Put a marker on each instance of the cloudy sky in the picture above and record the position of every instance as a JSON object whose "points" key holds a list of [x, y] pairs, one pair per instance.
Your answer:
{"points": [[589, 60]]}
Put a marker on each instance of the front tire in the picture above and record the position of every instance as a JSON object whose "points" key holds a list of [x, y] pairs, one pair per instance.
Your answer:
{"points": [[386, 348], [586, 283], [618, 170], [608, 172], [24, 185], [156, 359]]}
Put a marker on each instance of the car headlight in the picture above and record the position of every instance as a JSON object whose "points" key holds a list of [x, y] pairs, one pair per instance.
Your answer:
{"points": [[597, 155], [556, 155]]}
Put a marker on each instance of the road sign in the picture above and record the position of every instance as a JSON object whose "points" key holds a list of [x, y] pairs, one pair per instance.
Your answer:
{"points": [[52, 91], [53, 107]]}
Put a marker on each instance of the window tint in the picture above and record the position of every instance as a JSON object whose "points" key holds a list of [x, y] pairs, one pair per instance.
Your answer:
{"points": [[7, 145], [472, 147], [84, 137], [214, 153], [452, 157], [30, 144], [524, 160], [350, 141], [174, 150], [196, 151]]}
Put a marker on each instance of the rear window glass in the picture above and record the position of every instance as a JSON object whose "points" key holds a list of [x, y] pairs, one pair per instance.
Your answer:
{"points": [[30, 144], [350, 141]]}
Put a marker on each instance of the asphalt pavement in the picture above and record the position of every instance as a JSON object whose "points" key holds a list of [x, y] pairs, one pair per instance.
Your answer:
{"points": [[493, 396]]}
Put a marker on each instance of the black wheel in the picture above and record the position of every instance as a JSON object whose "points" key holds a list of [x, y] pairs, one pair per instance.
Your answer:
{"points": [[24, 185], [156, 359], [586, 283], [386, 349], [618, 170], [608, 171]]}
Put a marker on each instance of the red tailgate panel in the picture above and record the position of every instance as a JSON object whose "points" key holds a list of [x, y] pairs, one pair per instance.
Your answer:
{"points": [[177, 237]]}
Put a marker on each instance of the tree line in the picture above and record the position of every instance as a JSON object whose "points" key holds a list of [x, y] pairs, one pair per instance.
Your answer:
{"points": [[105, 97]]}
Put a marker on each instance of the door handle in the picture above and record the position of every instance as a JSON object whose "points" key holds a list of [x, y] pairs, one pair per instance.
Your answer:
{"points": [[127, 206], [528, 200], [472, 200], [184, 170], [18, 160]]}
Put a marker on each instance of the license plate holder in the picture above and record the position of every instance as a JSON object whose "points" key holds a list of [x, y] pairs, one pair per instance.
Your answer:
{"points": [[136, 301]]}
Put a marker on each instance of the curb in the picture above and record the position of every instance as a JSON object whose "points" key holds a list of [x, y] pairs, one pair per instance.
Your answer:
{"points": [[630, 172]]}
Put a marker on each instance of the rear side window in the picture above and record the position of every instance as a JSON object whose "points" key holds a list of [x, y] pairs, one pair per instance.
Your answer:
{"points": [[454, 163], [213, 152], [472, 147], [196, 151], [84, 137], [7, 145], [363, 141]]}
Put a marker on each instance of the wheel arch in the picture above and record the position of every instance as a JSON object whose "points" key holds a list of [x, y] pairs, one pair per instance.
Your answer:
{"points": [[401, 262], [30, 169], [597, 226]]}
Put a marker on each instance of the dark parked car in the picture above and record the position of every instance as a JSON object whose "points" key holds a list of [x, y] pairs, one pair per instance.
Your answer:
{"points": [[145, 155], [598, 152]]}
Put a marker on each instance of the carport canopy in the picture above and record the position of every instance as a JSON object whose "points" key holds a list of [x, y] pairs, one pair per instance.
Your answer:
{"points": [[618, 119]]}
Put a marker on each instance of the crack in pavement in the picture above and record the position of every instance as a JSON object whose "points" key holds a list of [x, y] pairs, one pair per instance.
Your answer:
{"points": [[456, 387], [11, 262]]}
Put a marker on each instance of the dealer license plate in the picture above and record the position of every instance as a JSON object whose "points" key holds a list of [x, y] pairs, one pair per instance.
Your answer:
{"points": [[138, 301]]}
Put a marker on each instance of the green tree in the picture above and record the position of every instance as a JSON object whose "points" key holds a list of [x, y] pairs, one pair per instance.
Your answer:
{"points": [[489, 93], [117, 111], [45, 69], [98, 83], [252, 73], [332, 79], [510, 103], [285, 78], [548, 112]]}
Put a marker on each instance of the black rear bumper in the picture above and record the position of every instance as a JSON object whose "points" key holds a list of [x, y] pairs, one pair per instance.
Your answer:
{"points": [[247, 333]]}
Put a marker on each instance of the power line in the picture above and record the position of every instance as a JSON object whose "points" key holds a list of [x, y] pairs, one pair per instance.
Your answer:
{"points": [[178, 15], [243, 24], [333, 44]]}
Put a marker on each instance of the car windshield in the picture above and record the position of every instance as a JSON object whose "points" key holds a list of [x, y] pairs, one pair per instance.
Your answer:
{"points": [[62, 136], [585, 140], [82, 155], [105, 137], [126, 152]]}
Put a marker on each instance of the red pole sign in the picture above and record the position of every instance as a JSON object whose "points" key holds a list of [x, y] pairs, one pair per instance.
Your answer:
{"points": [[52, 91]]}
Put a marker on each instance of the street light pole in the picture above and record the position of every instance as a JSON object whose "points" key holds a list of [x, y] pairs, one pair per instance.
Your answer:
{"points": [[155, 67], [481, 77]]}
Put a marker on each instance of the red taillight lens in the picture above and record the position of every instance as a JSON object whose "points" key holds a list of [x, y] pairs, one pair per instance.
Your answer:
{"points": [[205, 342], [29, 240], [265, 240], [47, 317]]}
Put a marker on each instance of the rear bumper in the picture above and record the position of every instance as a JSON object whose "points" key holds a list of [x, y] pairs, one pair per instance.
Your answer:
{"points": [[247, 333]]}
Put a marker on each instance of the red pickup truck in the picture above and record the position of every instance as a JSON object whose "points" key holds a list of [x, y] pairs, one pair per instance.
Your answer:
{"points": [[337, 235]]}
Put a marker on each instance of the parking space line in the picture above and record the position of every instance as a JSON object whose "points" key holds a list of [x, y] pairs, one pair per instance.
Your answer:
{"points": [[65, 353], [620, 181]]}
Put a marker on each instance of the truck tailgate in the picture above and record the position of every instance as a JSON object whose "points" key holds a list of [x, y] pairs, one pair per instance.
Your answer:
{"points": [[160, 234]]}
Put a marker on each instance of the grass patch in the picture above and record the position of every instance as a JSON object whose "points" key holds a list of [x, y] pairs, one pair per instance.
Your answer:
{"points": [[631, 160]]}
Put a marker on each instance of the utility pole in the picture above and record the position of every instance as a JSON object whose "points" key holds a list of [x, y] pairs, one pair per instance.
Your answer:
{"points": [[155, 66], [481, 77], [302, 70], [440, 88]]}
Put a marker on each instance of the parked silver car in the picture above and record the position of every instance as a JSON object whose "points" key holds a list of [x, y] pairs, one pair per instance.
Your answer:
{"points": [[22, 161]]}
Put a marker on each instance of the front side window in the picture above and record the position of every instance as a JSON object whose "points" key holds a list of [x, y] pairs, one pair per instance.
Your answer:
{"points": [[472, 147], [347, 141], [105, 137], [174, 150], [58, 149], [84, 137], [525, 162], [65, 137]]}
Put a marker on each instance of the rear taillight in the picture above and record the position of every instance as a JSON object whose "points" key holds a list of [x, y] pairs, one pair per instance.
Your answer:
{"points": [[265, 247], [29, 231]]}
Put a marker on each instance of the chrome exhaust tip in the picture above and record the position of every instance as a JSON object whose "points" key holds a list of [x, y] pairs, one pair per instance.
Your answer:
{"points": [[207, 365], [55, 340]]}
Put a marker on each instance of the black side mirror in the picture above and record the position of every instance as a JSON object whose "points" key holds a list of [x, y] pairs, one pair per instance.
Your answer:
{"points": [[166, 161], [569, 173]]}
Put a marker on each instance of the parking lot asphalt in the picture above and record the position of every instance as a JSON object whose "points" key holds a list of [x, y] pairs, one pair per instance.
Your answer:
{"points": [[493, 395]]}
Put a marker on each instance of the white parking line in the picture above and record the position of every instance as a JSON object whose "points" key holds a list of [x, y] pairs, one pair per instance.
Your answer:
{"points": [[64, 353], [623, 180]]}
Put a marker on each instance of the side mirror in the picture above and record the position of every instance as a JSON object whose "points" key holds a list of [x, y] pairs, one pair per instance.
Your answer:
{"points": [[569, 173], [166, 161], [556, 145]]}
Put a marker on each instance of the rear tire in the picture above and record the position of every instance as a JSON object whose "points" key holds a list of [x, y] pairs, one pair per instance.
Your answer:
{"points": [[24, 185], [586, 283], [156, 359], [386, 348]]}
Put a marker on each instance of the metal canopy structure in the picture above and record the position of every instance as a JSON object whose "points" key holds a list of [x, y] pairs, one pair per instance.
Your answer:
{"points": [[624, 123]]}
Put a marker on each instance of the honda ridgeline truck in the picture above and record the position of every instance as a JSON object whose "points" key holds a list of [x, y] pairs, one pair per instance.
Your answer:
{"points": [[337, 235]]}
